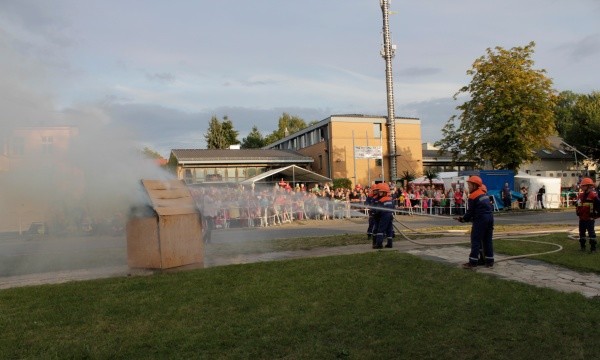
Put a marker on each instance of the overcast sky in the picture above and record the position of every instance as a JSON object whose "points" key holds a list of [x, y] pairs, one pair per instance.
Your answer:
{"points": [[158, 70]]}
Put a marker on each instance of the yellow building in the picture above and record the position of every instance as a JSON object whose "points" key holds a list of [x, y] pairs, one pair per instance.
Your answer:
{"points": [[34, 173], [337, 146], [24, 145]]}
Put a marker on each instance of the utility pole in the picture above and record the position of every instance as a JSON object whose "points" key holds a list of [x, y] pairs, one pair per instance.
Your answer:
{"points": [[388, 53]]}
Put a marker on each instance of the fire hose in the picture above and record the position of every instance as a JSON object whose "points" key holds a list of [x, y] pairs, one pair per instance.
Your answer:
{"points": [[507, 237]]}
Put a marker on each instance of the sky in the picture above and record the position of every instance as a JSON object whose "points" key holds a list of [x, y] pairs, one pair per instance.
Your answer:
{"points": [[154, 72]]}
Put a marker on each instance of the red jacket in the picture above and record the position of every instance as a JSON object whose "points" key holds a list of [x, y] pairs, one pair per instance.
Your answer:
{"points": [[588, 205]]}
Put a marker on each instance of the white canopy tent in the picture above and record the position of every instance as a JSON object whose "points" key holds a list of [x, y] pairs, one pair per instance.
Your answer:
{"points": [[533, 185], [425, 181], [294, 174]]}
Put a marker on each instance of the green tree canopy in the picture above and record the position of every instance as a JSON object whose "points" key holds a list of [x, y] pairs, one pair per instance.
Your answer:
{"points": [[430, 175], [255, 140], [509, 114], [151, 154], [287, 125], [220, 134], [578, 121]]}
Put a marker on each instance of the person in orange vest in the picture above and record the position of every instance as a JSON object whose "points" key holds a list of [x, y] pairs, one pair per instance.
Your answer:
{"points": [[371, 200], [588, 209], [480, 212], [385, 212]]}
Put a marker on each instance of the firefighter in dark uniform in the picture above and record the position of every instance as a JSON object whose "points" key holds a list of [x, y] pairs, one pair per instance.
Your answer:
{"points": [[370, 202], [588, 207], [480, 212], [385, 215]]}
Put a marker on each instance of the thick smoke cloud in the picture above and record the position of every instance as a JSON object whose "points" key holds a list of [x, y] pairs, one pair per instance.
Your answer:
{"points": [[97, 175]]}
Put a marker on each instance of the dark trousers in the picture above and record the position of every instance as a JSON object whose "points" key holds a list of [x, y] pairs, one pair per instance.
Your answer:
{"points": [[384, 228], [587, 226], [482, 232], [372, 224]]}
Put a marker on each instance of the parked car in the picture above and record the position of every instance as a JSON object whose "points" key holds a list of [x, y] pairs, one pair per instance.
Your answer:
{"points": [[38, 228]]}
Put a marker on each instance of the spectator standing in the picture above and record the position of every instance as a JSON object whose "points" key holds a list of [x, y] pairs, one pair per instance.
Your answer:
{"points": [[540, 196], [506, 197], [458, 202], [523, 202]]}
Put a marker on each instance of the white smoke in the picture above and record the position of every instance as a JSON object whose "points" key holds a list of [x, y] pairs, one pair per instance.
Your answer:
{"points": [[96, 176]]}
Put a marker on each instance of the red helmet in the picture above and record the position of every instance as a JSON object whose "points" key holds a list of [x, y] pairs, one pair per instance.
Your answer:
{"points": [[474, 179], [374, 188], [587, 181], [385, 188]]}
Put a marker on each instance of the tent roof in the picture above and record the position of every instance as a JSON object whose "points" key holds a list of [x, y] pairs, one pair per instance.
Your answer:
{"points": [[425, 181], [292, 172], [191, 157]]}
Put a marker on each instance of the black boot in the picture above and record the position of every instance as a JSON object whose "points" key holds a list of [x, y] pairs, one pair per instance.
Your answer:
{"points": [[389, 243], [582, 243], [593, 245]]}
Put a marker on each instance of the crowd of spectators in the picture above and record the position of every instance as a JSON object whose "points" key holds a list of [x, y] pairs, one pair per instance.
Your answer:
{"points": [[273, 205]]}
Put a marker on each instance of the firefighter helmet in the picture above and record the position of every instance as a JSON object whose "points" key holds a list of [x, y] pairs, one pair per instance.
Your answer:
{"points": [[385, 188], [587, 181], [474, 179]]}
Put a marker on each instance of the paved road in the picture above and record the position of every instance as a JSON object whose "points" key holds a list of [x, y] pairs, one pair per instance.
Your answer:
{"points": [[337, 227]]}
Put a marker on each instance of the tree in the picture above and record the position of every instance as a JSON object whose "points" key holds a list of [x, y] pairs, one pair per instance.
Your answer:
{"points": [[220, 134], [564, 111], [430, 175], [229, 133], [255, 140], [578, 121], [151, 154], [342, 183], [510, 112], [407, 176], [287, 125]]}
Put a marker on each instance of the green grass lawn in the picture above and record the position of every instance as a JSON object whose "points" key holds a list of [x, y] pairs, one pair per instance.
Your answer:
{"points": [[379, 305]]}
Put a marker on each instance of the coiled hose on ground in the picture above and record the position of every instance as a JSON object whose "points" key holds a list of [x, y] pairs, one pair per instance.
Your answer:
{"points": [[505, 236]]}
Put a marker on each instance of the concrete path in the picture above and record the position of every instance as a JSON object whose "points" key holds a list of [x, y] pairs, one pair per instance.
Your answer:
{"points": [[528, 271]]}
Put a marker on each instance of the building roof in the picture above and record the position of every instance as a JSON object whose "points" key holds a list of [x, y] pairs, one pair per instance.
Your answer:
{"points": [[559, 150], [292, 173], [429, 155], [241, 156], [335, 118]]}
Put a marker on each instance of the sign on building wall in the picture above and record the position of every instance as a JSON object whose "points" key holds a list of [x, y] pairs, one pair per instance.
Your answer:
{"points": [[367, 152]]}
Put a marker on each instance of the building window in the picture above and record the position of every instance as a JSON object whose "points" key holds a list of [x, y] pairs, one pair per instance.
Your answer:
{"points": [[200, 175], [47, 144], [188, 176], [231, 174], [377, 130]]}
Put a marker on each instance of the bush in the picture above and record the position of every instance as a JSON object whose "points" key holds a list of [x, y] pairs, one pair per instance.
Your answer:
{"points": [[342, 183]]}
